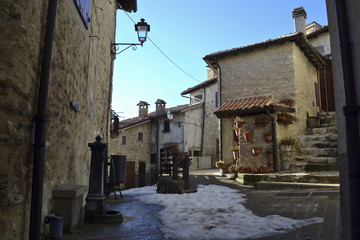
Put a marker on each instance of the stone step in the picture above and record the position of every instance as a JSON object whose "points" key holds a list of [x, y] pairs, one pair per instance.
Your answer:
{"points": [[329, 137], [321, 167], [319, 144], [327, 114], [316, 177], [322, 130], [311, 159], [320, 152]]}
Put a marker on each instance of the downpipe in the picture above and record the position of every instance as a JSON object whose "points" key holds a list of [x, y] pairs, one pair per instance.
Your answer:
{"points": [[41, 118], [351, 113]]}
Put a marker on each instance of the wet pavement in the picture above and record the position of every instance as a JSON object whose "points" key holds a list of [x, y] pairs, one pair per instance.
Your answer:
{"points": [[140, 221]]}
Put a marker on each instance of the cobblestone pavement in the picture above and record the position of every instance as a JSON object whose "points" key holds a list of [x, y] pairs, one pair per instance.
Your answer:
{"points": [[141, 221]]}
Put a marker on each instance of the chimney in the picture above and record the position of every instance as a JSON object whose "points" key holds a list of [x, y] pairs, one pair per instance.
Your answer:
{"points": [[143, 109], [299, 16], [160, 106]]}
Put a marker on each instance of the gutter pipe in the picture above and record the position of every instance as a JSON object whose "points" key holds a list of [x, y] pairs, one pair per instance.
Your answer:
{"points": [[351, 113], [41, 118], [274, 147]]}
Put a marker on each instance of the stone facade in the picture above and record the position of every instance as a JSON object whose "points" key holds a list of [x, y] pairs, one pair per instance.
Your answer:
{"points": [[282, 71], [81, 72], [136, 147], [202, 114]]}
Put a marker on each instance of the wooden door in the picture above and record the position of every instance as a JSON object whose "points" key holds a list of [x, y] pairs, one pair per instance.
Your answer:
{"points": [[142, 175], [130, 174]]}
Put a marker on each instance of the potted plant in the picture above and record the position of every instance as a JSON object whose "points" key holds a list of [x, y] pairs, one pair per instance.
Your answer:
{"points": [[244, 170], [288, 102], [221, 165], [234, 170], [268, 136], [256, 150], [286, 118], [248, 136]]}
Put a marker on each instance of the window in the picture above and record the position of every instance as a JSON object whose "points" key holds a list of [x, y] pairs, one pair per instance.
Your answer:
{"points": [[140, 136], [83, 7], [123, 140], [196, 153], [166, 125]]}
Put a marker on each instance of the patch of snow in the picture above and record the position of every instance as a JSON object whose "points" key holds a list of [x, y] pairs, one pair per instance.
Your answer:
{"points": [[213, 212]]}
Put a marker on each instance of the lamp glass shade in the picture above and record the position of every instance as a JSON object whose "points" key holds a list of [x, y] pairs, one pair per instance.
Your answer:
{"points": [[169, 115], [142, 28]]}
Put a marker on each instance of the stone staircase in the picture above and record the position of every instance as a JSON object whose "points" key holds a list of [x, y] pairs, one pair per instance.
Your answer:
{"points": [[317, 160], [319, 150]]}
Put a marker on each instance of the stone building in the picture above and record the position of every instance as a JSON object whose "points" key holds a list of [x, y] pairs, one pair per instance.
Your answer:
{"points": [[272, 88], [203, 144], [78, 105], [160, 137]]}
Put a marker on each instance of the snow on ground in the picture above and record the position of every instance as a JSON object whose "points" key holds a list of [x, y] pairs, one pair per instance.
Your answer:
{"points": [[213, 212]]}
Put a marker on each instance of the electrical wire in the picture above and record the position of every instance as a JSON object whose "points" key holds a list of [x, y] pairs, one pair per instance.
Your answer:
{"points": [[163, 53]]}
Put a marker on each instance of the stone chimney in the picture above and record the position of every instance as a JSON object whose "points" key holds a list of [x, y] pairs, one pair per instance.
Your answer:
{"points": [[160, 106], [143, 109], [299, 16]]}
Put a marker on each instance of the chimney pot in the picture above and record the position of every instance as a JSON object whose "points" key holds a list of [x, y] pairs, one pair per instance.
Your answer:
{"points": [[160, 106], [299, 16], [143, 109]]}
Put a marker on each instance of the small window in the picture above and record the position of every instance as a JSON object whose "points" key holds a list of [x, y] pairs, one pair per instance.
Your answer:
{"points": [[123, 140], [166, 126], [140, 136], [196, 153]]}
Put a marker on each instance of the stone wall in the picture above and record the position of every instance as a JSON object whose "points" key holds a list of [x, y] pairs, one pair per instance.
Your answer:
{"points": [[282, 71], [134, 150], [268, 71], [81, 71]]}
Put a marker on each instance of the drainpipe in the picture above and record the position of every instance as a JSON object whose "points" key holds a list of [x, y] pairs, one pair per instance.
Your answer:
{"points": [[351, 112], [203, 123], [40, 128], [273, 130]]}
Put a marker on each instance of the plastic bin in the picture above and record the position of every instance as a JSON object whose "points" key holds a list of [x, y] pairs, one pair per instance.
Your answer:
{"points": [[56, 226]]}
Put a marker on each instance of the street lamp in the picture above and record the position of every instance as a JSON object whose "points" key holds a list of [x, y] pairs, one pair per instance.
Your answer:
{"points": [[142, 28], [170, 116]]}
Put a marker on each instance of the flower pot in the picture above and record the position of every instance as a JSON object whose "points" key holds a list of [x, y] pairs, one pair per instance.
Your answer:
{"points": [[224, 166], [244, 170], [256, 151], [248, 136], [268, 137], [265, 170]]}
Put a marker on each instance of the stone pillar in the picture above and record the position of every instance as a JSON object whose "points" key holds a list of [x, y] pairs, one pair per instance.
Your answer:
{"points": [[95, 198]]}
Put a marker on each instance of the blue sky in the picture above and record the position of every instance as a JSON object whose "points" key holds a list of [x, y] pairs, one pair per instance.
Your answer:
{"points": [[186, 31]]}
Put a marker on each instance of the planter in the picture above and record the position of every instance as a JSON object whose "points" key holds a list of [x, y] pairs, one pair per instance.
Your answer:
{"points": [[256, 151], [265, 170], [224, 166], [244, 170], [248, 136], [268, 137], [261, 122], [283, 118], [289, 103]]}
